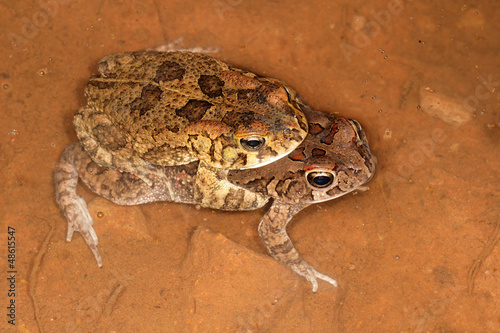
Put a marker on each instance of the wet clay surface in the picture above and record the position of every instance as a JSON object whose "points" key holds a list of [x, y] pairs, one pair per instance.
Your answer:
{"points": [[418, 252]]}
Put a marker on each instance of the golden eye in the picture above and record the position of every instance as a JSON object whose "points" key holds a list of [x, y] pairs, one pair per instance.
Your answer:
{"points": [[320, 179], [253, 143]]}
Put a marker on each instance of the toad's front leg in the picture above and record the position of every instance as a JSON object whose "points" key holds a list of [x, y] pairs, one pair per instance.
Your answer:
{"points": [[272, 230]]}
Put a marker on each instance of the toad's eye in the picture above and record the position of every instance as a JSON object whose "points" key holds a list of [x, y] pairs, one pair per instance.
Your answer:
{"points": [[320, 179], [253, 143]]}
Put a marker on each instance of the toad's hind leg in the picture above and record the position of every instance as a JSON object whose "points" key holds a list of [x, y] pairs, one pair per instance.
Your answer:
{"points": [[107, 145], [72, 205], [272, 230]]}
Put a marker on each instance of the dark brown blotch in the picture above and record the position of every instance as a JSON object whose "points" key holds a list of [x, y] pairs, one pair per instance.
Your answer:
{"points": [[296, 189], [211, 85], [151, 93], [315, 129], [234, 198], [316, 152], [283, 248], [169, 71], [297, 154], [328, 139], [262, 94], [150, 96], [239, 118], [258, 96], [245, 94], [194, 110]]}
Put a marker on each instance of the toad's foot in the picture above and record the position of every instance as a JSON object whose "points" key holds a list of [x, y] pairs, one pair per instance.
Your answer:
{"points": [[77, 214], [306, 270], [73, 206]]}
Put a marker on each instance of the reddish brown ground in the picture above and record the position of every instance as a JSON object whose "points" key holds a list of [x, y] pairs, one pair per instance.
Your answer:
{"points": [[415, 253]]}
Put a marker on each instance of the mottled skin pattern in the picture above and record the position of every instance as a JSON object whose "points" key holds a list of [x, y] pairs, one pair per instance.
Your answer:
{"points": [[152, 108], [333, 160]]}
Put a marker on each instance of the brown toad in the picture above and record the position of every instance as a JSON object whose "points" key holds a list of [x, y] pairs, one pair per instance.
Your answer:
{"points": [[333, 160], [152, 108]]}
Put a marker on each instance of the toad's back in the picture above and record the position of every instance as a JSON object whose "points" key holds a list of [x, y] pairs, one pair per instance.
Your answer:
{"points": [[172, 108]]}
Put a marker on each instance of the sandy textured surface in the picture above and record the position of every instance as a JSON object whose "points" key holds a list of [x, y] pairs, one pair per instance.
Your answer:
{"points": [[418, 252]]}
